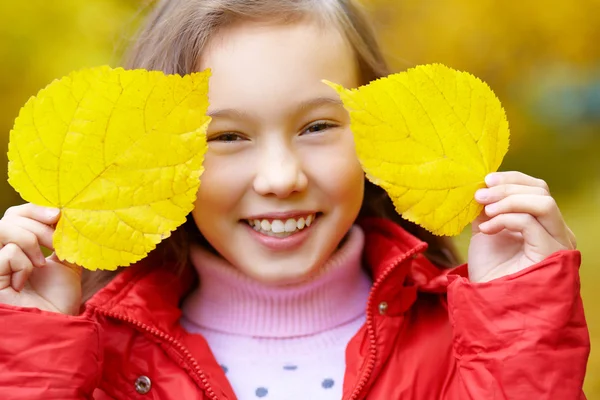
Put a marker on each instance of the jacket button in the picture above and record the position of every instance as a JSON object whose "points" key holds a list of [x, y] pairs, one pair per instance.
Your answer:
{"points": [[143, 384], [383, 306]]}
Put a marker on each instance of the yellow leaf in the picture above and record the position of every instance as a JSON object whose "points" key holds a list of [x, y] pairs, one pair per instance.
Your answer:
{"points": [[428, 136], [120, 152]]}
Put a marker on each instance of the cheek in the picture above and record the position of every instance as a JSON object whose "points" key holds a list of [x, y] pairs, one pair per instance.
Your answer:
{"points": [[221, 185], [349, 185], [337, 172]]}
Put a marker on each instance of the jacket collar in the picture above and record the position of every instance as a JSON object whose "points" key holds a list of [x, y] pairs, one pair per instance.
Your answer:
{"points": [[386, 242], [150, 293]]}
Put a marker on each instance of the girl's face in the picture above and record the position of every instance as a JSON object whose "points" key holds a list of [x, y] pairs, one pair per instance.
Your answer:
{"points": [[282, 184]]}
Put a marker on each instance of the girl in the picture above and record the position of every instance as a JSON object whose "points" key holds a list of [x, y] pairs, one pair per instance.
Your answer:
{"points": [[293, 277]]}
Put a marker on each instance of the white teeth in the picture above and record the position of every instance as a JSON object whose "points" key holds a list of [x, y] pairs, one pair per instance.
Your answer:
{"points": [[278, 226], [290, 225], [265, 225], [309, 220]]}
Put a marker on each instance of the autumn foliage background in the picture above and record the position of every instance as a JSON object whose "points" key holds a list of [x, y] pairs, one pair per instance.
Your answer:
{"points": [[541, 58]]}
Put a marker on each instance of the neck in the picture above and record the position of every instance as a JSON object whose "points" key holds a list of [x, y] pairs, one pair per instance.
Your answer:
{"points": [[230, 302]]}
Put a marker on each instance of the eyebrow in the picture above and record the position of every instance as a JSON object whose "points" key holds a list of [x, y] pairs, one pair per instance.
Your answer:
{"points": [[301, 107], [319, 102]]}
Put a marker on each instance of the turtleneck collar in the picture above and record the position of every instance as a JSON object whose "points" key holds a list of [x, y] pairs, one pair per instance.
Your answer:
{"points": [[231, 302]]}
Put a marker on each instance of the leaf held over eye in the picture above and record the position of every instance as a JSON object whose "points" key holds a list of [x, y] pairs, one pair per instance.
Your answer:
{"points": [[428, 136], [120, 152]]}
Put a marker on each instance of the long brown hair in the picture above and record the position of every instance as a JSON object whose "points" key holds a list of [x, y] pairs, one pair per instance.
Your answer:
{"points": [[172, 41]]}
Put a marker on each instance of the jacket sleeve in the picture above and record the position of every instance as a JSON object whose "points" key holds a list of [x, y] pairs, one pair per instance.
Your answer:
{"points": [[45, 355], [522, 336]]}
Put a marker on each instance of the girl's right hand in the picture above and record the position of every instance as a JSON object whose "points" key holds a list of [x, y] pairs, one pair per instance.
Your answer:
{"points": [[27, 278]]}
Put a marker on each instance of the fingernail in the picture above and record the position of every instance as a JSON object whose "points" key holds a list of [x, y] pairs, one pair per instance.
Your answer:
{"points": [[52, 212], [491, 208], [491, 179], [17, 283], [42, 260], [481, 194]]}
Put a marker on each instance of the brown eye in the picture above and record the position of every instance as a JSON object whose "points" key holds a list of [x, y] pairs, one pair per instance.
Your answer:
{"points": [[318, 127], [227, 137]]}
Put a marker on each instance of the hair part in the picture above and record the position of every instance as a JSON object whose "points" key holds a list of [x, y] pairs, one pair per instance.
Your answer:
{"points": [[177, 31], [172, 41]]}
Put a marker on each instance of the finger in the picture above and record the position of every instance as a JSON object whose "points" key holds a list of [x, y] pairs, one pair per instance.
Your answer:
{"points": [[532, 231], [481, 218], [497, 193], [543, 208], [15, 267], [45, 215], [42, 231], [514, 177], [74, 267], [24, 239], [572, 238]]}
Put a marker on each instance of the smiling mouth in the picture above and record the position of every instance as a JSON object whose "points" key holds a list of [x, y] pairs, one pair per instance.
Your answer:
{"points": [[281, 228]]}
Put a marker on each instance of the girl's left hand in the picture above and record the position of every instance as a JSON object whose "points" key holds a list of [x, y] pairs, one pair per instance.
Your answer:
{"points": [[520, 226]]}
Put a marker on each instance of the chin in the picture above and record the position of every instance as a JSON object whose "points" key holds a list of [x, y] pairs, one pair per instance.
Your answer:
{"points": [[278, 276]]}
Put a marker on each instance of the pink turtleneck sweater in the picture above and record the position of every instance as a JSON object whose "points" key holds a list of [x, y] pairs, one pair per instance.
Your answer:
{"points": [[281, 342]]}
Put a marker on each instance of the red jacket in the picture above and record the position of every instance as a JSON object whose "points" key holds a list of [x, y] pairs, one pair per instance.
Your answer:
{"points": [[429, 334]]}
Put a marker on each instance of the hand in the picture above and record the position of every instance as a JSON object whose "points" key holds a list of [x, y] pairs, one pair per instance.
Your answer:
{"points": [[520, 226], [27, 278]]}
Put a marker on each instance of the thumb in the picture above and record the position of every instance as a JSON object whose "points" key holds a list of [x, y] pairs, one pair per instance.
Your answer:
{"points": [[74, 267], [481, 218]]}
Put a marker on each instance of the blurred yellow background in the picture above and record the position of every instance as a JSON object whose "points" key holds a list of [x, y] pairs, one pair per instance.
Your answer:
{"points": [[541, 58]]}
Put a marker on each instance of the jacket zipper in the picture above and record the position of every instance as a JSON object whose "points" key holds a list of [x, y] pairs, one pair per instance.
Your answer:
{"points": [[370, 327], [172, 341], [204, 379]]}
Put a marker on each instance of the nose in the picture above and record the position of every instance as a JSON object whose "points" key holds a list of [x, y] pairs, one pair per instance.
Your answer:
{"points": [[279, 171]]}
